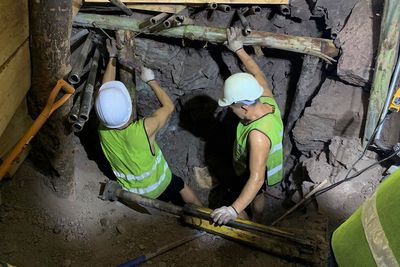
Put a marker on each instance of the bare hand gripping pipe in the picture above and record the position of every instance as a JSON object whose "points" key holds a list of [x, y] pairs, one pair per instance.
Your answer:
{"points": [[50, 107]]}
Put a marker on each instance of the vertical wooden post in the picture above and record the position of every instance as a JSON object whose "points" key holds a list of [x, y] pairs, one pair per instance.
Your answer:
{"points": [[50, 29], [127, 41], [385, 63]]}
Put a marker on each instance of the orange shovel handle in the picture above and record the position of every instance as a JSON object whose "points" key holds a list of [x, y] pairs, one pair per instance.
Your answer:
{"points": [[50, 107]]}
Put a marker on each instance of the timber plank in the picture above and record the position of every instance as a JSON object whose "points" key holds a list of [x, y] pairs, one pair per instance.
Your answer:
{"points": [[18, 125], [258, 2], [158, 8], [15, 80], [14, 27]]}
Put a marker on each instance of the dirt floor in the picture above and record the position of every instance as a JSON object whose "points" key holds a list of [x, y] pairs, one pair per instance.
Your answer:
{"points": [[39, 229]]}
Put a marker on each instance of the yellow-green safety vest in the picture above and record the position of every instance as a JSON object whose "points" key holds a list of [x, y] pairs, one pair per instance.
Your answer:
{"points": [[137, 169], [272, 126], [371, 236]]}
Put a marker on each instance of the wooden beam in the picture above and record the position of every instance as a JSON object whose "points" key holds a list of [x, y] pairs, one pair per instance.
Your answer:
{"points": [[319, 47], [15, 79], [18, 125], [247, 2], [13, 28], [50, 30], [387, 54], [172, 9]]}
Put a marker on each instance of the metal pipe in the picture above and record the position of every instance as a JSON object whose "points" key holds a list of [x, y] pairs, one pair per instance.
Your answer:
{"points": [[254, 10], [392, 86], [122, 6], [243, 20], [284, 9], [78, 36], [212, 6], [225, 8], [251, 11], [78, 125], [87, 94], [74, 113], [155, 23], [75, 74]]}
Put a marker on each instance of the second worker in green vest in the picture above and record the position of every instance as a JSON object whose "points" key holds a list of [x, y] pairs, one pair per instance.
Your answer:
{"points": [[130, 145], [258, 153]]}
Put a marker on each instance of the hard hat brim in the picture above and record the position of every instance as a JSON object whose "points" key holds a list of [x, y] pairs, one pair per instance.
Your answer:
{"points": [[222, 102]]}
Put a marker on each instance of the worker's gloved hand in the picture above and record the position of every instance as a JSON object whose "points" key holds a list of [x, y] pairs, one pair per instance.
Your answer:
{"points": [[224, 214], [235, 39], [146, 74], [111, 47]]}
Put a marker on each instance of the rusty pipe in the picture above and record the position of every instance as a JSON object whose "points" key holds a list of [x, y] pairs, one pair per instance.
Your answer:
{"points": [[50, 107], [76, 72], [87, 94]]}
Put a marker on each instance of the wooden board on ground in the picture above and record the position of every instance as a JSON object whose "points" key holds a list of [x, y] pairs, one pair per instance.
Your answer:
{"points": [[18, 125], [15, 80], [14, 28], [246, 2]]}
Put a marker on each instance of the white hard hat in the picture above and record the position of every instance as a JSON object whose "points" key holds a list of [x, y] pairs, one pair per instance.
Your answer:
{"points": [[113, 104], [240, 87]]}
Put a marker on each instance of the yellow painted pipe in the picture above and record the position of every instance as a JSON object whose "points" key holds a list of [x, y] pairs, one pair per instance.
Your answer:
{"points": [[50, 107]]}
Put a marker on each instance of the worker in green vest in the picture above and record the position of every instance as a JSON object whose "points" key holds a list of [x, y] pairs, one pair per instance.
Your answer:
{"points": [[130, 146], [258, 154], [371, 236]]}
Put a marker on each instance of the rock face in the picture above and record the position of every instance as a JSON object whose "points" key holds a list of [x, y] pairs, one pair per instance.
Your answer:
{"points": [[358, 41], [338, 109]]}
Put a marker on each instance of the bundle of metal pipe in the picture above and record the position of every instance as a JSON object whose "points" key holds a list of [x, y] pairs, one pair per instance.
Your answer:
{"points": [[76, 72], [87, 94]]}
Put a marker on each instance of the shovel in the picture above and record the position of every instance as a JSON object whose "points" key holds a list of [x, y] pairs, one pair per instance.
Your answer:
{"points": [[50, 107]]}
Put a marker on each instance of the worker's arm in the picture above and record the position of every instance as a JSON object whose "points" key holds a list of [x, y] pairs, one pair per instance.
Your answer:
{"points": [[235, 44], [159, 118], [253, 68], [259, 146], [109, 74]]}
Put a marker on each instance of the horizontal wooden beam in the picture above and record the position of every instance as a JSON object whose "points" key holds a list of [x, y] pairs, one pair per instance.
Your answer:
{"points": [[319, 47], [247, 2], [158, 8]]}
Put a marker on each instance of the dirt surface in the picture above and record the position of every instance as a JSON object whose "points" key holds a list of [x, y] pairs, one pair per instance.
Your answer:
{"points": [[39, 229]]}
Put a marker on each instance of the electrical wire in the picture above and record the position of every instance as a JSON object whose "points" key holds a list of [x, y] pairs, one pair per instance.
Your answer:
{"points": [[347, 178], [326, 189]]}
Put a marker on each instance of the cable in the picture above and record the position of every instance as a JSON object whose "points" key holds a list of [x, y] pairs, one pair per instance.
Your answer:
{"points": [[347, 178]]}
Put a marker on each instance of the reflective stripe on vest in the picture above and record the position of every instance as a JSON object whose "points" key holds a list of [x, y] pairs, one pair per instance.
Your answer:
{"points": [[142, 191], [134, 164], [376, 237], [271, 126], [143, 176]]}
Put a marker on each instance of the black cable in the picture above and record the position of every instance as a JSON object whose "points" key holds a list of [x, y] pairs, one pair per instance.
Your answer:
{"points": [[347, 178]]}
